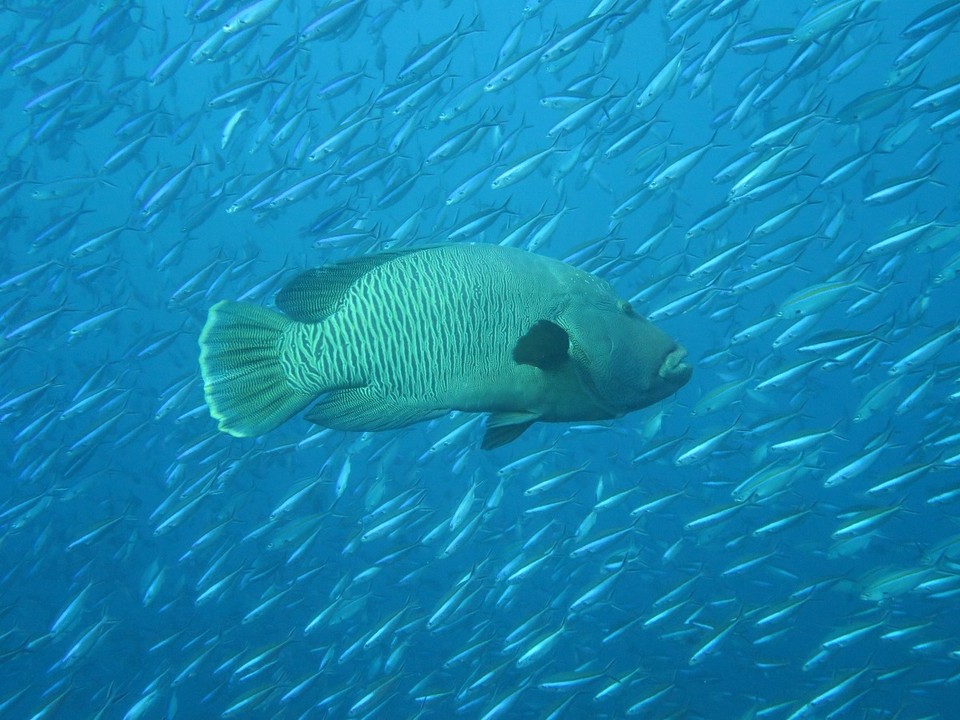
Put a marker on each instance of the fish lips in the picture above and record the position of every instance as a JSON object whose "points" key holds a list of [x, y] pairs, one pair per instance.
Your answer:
{"points": [[674, 370]]}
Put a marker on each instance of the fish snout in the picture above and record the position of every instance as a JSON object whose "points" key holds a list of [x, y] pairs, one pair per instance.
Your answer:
{"points": [[674, 369]]}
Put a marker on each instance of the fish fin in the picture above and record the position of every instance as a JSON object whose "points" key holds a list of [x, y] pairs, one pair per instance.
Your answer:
{"points": [[503, 428], [363, 409], [315, 294], [243, 380], [546, 346]]}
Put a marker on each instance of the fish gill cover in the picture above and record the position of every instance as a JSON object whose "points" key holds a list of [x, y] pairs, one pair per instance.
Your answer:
{"points": [[772, 184]]}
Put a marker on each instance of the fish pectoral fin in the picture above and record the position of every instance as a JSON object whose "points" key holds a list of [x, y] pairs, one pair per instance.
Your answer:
{"points": [[364, 409], [546, 345], [503, 428]]}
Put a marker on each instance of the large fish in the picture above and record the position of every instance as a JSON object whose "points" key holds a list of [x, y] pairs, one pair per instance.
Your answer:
{"points": [[387, 340]]}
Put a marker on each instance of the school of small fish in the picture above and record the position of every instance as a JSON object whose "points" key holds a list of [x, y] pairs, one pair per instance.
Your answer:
{"points": [[776, 185]]}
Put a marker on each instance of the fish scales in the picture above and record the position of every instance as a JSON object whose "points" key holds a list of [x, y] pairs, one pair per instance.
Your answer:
{"points": [[408, 330]]}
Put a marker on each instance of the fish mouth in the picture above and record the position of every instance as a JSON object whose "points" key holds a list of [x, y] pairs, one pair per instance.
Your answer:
{"points": [[673, 369]]}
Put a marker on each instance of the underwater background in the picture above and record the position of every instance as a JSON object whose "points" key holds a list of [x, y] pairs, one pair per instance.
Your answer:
{"points": [[774, 184]]}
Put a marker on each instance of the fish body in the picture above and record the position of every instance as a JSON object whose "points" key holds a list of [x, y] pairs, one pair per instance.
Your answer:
{"points": [[250, 16], [388, 340]]}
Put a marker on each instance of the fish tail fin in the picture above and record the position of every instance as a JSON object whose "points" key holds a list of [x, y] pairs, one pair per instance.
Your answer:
{"points": [[244, 382]]}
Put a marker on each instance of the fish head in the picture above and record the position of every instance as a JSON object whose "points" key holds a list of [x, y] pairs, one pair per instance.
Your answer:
{"points": [[624, 361]]}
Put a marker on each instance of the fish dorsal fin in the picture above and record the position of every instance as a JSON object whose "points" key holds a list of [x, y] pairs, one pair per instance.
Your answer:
{"points": [[546, 346], [315, 294]]}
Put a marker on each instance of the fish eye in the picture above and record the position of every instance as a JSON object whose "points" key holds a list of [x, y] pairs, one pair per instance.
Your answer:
{"points": [[627, 308]]}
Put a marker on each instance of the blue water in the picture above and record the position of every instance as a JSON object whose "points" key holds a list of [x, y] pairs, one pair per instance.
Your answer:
{"points": [[145, 569]]}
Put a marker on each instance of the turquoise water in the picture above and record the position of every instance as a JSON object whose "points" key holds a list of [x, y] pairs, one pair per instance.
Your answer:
{"points": [[774, 184]]}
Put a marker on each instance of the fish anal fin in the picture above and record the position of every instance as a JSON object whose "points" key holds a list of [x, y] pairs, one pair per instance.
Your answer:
{"points": [[363, 409]]}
